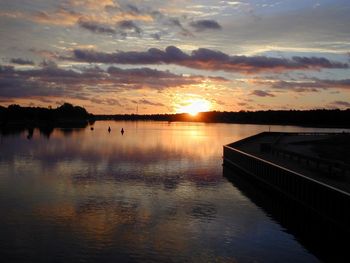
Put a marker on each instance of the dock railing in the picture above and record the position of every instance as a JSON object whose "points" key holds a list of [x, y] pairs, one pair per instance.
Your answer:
{"points": [[331, 202], [331, 168]]}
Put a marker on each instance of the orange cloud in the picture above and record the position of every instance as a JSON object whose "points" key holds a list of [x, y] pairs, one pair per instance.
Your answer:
{"points": [[68, 17], [92, 4], [59, 17]]}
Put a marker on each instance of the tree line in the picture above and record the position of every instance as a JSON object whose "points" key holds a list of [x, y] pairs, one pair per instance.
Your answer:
{"points": [[70, 115], [312, 118], [64, 115]]}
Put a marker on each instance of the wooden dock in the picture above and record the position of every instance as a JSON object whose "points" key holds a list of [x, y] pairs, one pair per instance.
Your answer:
{"points": [[283, 163]]}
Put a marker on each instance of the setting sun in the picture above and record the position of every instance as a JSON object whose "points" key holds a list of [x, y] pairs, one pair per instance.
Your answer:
{"points": [[194, 106]]}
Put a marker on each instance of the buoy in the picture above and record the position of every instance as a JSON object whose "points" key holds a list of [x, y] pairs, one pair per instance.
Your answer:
{"points": [[109, 129], [122, 131]]}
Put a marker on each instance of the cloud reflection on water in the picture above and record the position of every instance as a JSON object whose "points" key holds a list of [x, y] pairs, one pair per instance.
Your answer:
{"points": [[156, 193]]}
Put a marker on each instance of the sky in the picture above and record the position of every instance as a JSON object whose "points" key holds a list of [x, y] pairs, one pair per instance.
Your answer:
{"points": [[154, 56]]}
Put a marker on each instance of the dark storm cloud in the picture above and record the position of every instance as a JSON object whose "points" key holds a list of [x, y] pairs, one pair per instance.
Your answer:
{"points": [[21, 61], [96, 27], [155, 79], [262, 93], [50, 80], [201, 25], [317, 62], [141, 72], [208, 59], [14, 85]]}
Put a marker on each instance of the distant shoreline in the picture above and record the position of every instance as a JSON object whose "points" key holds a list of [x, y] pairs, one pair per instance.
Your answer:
{"points": [[310, 118], [69, 116]]}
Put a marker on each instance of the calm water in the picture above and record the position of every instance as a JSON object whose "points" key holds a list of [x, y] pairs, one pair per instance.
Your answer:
{"points": [[157, 193]]}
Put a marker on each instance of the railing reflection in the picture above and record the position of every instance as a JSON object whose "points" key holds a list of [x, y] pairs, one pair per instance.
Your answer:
{"points": [[319, 234]]}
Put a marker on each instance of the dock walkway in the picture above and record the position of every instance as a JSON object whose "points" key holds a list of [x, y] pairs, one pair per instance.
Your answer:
{"points": [[289, 142], [288, 163]]}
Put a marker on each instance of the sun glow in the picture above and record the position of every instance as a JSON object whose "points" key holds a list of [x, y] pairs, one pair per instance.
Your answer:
{"points": [[194, 106]]}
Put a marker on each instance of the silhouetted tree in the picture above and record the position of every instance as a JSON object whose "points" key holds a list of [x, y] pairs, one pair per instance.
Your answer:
{"points": [[65, 115]]}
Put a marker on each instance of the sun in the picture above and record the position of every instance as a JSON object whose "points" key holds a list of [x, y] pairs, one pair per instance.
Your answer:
{"points": [[194, 106]]}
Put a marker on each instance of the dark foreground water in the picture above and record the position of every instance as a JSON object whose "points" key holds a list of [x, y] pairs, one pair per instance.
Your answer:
{"points": [[156, 193]]}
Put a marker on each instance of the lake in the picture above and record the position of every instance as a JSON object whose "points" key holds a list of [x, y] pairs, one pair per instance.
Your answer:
{"points": [[156, 193]]}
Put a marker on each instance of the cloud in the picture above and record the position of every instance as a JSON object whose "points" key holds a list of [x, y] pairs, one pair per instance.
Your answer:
{"points": [[154, 79], [15, 84], [147, 102], [21, 61], [51, 80], [61, 17], [129, 25], [175, 22], [96, 27], [64, 15], [311, 85], [155, 36], [262, 93], [132, 9], [47, 54], [90, 4], [201, 25], [105, 101], [208, 59], [111, 19], [318, 62], [47, 64], [341, 103], [16, 14]]}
